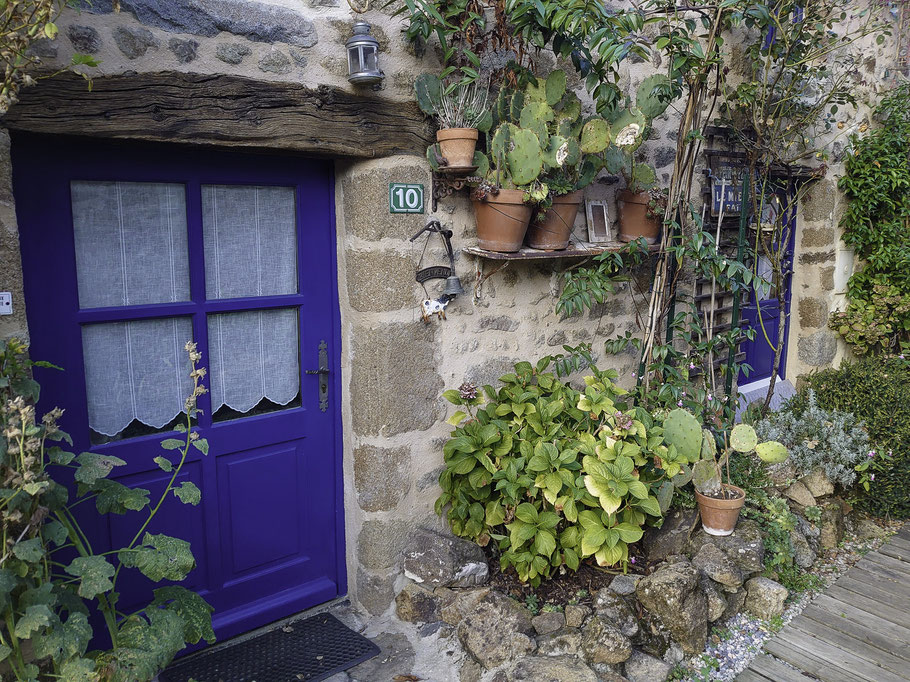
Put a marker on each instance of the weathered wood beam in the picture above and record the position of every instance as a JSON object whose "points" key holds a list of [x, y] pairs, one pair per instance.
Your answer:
{"points": [[222, 110]]}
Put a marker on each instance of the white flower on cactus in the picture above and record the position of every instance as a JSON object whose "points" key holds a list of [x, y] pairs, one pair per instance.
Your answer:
{"points": [[628, 135]]}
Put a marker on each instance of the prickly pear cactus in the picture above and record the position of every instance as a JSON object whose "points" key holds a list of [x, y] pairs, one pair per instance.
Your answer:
{"points": [[589, 169], [595, 136], [516, 104], [536, 92], [429, 93], [651, 97], [535, 113], [433, 156], [486, 123], [555, 87], [643, 178], [628, 130], [683, 477], [525, 158], [502, 143], [743, 438], [569, 107], [706, 477], [557, 152], [614, 160], [683, 430], [771, 452], [482, 163], [708, 445]]}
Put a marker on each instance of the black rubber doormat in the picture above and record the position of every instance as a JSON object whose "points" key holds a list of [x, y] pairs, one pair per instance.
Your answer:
{"points": [[311, 650]]}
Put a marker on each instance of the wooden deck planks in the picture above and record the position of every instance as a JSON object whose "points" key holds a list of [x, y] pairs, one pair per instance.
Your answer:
{"points": [[857, 631]]}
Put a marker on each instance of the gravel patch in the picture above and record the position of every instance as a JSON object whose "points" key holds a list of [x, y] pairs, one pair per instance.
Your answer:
{"points": [[733, 644]]}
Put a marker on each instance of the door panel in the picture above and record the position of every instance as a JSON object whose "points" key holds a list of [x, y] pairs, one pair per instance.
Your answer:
{"points": [[130, 250]]}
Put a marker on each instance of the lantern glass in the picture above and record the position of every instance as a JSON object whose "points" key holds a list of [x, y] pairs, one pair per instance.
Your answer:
{"points": [[363, 56]]}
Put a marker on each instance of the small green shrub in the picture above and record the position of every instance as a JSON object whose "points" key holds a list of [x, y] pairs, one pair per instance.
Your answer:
{"points": [[831, 439], [877, 391], [551, 474]]}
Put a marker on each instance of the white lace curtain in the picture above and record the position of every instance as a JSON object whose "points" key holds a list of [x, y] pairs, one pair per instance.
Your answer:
{"points": [[131, 249]]}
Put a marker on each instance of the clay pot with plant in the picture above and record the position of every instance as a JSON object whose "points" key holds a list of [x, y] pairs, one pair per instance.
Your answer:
{"points": [[460, 109], [632, 126], [544, 149], [719, 503]]}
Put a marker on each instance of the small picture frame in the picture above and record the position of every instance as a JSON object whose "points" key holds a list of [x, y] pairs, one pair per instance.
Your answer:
{"points": [[600, 230]]}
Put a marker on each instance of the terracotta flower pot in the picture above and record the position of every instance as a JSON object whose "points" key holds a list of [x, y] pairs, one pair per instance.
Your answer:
{"points": [[502, 220], [552, 230], [457, 145], [719, 517], [633, 218]]}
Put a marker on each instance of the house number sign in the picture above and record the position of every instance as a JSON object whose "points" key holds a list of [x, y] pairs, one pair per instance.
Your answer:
{"points": [[405, 198]]}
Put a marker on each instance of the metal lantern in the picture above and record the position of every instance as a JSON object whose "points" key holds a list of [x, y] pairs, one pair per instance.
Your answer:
{"points": [[363, 56]]}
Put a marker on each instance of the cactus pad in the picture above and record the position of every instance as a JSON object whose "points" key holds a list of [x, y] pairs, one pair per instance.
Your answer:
{"points": [[557, 152], [743, 438], [555, 86], [534, 113], [614, 160], [708, 445], [643, 177], [595, 136], [486, 122], [569, 107], [502, 143], [525, 158], [652, 96], [706, 477], [516, 104], [536, 91], [683, 477], [429, 93], [771, 452], [683, 430], [628, 129], [589, 170], [482, 163], [433, 156]]}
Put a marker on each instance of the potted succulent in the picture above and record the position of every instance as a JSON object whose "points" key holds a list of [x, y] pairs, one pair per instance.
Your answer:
{"points": [[630, 131], [719, 503], [460, 109], [539, 155]]}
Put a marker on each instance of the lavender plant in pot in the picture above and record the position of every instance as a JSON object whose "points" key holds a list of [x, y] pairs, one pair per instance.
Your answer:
{"points": [[719, 503], [460, 109]]}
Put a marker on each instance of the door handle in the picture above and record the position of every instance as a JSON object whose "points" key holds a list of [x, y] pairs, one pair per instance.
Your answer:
{"points": [[323, 374]]}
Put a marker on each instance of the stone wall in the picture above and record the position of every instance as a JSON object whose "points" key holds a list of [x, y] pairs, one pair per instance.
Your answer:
{"points": [[394, 366]]}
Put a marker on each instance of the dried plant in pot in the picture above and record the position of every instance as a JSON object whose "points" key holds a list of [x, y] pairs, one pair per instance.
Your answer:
{"points": [[461, 111], [719, 503]]}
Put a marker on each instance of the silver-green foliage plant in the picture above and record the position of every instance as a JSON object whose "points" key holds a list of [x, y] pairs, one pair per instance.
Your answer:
{"points": [[836, 441], [552, 475], [51, 578], [457, 105]]}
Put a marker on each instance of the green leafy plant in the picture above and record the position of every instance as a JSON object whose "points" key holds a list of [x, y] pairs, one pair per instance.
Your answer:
{"points": [[457, 105], [49, 573], [875, 225], [552, 475], [875, 390], [22, 23]]}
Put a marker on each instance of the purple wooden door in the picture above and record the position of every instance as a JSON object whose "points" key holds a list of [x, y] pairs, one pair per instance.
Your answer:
{"points": [[130, 250], [762, 311]]}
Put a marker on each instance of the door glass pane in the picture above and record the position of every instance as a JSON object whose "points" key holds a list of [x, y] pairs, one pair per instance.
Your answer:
{"points": [[254, 361], [250, 240], [136, 375], [130, 243]]}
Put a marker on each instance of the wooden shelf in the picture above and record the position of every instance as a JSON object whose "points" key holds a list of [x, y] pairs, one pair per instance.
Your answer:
{"points": [[574, 250]]}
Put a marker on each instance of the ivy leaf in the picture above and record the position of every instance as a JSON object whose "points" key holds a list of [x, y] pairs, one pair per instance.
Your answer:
{"points": [[116, 498], [164, 464], [29, 550], [193, 610], [65, 641], [93, 466], [160, 557], [188, 493], [35, 618], [78, 670], [55, 532], [95, 573]]}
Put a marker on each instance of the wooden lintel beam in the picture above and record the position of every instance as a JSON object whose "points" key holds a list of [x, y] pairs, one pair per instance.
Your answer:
{"points": [[222, 110]]}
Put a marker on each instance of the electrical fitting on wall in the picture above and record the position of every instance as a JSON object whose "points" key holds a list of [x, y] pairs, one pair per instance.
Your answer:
{"points": [[6, 303]]}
